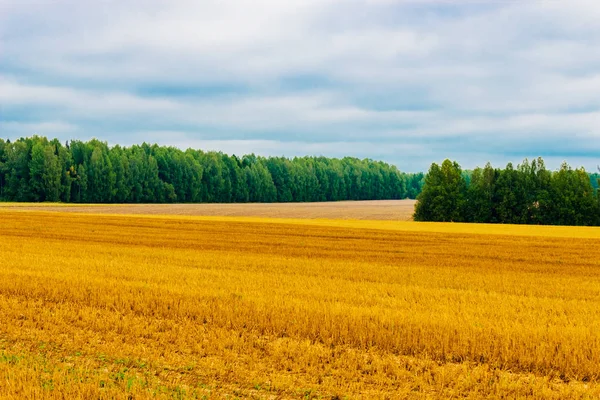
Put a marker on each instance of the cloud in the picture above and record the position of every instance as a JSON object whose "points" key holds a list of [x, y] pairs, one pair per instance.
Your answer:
{"points": [[240, 112], [409, 81], [42, 128]]}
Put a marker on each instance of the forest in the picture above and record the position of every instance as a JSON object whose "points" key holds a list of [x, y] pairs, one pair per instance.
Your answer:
{"points": [[37, 169], [527, 194]]}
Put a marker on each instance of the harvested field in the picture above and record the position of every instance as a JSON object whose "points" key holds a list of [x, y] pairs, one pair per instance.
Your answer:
{"points": [[395, 210], [104, 306]]}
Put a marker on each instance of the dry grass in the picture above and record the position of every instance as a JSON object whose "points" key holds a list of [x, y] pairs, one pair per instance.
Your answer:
{"points": [[102, 306], [397, 210]]}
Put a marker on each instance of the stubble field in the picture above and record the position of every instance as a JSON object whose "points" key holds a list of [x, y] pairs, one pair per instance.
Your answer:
{"points": [[395, 210], [111, 306]]}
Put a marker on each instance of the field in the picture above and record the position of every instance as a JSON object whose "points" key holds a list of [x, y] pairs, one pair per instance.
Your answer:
{"points": [[172, 306], [398, 210]]}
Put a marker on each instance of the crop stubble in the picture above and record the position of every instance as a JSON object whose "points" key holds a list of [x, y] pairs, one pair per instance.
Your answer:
{"points": [[397, 210], [101, 305]]}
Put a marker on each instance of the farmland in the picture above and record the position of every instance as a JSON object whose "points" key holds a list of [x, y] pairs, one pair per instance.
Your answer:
{"points": [[104, 305], [398, 210]]}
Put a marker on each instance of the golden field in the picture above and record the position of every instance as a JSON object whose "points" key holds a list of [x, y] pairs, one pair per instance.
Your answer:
{"points": [[133, 306]]}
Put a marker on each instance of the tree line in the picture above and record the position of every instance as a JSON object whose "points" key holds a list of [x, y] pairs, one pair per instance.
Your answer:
{"points": [[38, 169], [527, 194]]}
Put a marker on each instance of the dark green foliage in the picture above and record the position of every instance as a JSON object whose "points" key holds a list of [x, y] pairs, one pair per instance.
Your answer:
{"points": [[35, 169], [444, 194], [481, 195], [573, 197], [3, 146], [45, 172], [529, 194], [414, 184], [594, 180]]}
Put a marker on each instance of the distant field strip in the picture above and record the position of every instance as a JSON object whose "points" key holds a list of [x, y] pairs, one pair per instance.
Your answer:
{"points": [[169, 306], [398, 210], [387, 225]]}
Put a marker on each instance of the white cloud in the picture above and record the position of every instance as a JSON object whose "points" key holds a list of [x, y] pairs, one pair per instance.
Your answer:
{"points": [[518, 74], [102, 103], [279, 148], [44, 128], [244, 112]]}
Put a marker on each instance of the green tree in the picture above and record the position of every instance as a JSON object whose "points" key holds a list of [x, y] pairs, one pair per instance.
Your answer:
{"points": [[32, 168], [45, 172], [100, 174], [573, 197], [16, 169], [482, 195], [3, 146], [443, 195], [80, 194], [260, 184]]}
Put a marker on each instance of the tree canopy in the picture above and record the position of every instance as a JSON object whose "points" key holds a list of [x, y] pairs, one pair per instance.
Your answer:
{"points": [[39, 169], [528, 194]]}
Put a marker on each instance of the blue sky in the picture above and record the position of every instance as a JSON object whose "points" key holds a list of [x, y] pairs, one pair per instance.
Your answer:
{"points": [[409, 82]]}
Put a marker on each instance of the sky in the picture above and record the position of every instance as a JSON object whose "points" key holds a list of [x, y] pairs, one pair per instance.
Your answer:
{"points": [[408, 82]]}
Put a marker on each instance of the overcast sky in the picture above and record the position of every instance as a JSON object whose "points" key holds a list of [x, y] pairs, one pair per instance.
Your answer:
{"points": [[408, 82]]}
